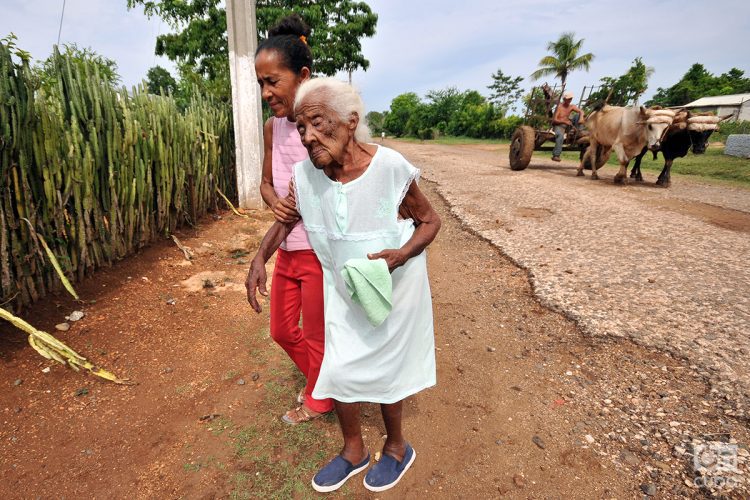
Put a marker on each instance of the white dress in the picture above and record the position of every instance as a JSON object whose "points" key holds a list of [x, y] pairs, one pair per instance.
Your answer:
{"points": [[383, 364]]}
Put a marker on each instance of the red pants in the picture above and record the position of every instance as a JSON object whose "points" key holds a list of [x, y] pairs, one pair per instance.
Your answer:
{"points": [[298, 287]]}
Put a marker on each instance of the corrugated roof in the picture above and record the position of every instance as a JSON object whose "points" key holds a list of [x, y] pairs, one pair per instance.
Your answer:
{"points": [[719, 100]]}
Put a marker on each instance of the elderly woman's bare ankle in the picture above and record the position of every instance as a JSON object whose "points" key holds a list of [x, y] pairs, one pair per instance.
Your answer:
{"points": [[395, 449], [354, 451]]}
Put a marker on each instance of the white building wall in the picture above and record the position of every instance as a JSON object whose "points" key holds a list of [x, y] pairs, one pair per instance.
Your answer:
{"points": [[745, 111], [727, 110]]}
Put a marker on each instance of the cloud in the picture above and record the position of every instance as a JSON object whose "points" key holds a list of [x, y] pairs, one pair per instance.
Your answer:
{"points": [[425, 45], [108, 27], [422, 45]]}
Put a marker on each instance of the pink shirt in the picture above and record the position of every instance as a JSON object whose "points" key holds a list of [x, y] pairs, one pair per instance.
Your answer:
{"points": [[288, 150]]}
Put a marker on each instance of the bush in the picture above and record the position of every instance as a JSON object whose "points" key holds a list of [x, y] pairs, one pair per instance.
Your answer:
{"points": [[503, 128], [728, 128], [98, 172], [426, 134], [448, 113]]}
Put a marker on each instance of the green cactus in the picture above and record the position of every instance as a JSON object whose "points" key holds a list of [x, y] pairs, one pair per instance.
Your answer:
{"points": [[99, 172]]}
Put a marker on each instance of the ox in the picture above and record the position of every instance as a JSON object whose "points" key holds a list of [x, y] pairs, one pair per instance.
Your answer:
{"points": [[626, 131], [686, 132]]}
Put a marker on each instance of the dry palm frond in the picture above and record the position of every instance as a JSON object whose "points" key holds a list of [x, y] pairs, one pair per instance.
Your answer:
{"points": [[229, 203], [53, 259], [185, 250], [51, 348]]}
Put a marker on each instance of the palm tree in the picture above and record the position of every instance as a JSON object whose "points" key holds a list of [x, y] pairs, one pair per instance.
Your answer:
{"points": [[564, 58]]}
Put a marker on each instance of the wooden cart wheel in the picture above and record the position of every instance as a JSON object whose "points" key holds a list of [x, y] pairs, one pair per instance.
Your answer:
{"points": [[521, 147]]}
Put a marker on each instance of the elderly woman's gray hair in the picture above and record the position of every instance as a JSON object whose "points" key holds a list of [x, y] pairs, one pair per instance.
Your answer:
{"points": [[339, 96]]}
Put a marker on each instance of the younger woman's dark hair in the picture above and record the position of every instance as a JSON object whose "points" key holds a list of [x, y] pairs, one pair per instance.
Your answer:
{"points": [[289, 39]]}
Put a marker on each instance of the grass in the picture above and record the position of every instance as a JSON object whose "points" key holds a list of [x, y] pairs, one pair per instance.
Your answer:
{"points": [[713, 165], [220, 425], [279, 460], [238, 254], [240, 491], [267, 458], [262, 457], [243, 438], [188, 467], [257, 346]]}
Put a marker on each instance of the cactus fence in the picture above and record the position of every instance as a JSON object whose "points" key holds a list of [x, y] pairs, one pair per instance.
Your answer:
{"points": [[98, 172]]}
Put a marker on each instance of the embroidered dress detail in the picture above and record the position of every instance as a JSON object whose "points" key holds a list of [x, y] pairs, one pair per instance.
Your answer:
{"points": [[384, 208], [362, 362]]}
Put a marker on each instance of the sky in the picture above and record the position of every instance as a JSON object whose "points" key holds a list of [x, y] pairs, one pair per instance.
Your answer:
{"points": [[423, 45], [107, 26]]}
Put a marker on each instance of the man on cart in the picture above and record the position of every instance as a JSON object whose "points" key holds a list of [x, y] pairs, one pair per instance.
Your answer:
{"points": [[561, 121]]}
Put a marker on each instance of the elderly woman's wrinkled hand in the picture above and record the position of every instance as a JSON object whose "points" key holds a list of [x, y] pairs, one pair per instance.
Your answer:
{"points": [[256, 280], [394, 257]]}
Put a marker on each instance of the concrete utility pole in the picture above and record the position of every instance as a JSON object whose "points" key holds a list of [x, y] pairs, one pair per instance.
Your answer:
{"points": [[246, 108]]}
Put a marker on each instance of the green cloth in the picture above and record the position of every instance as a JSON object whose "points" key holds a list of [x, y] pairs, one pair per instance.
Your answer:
{"points": [[369, 285]]}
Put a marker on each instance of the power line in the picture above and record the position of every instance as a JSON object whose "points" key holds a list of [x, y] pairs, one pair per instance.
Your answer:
{"points": [[62, 15]]}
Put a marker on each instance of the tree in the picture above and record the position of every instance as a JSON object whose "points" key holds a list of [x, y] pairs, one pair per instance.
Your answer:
{"points": [[564, 58], [699, 82], [10, 41], [448, 111], [419, 121], [425, 134], [690, 87], [402, 109], [506, 90], [442, 105], [625, 89], [474, 117], [160, 81], [106, 67], [375, 120], [200, 37]]}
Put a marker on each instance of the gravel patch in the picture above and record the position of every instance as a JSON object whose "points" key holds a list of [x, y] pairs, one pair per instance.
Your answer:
{"points": [[666, 268]]}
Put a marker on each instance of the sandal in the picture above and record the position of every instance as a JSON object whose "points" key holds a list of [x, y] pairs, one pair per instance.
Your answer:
{"points": [[299, 415]]}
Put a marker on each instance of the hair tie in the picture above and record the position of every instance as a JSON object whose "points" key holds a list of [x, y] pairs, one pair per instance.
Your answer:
{"points": [[303, 38]]}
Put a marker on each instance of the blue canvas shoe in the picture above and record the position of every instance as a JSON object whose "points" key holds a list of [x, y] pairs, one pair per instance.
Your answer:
{"points": [[334, 474], [386, 473]]}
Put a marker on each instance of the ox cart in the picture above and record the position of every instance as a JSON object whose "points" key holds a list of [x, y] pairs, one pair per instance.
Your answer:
{"points": [[537, 131]]}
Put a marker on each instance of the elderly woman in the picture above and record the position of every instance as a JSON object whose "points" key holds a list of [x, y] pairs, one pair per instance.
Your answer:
{"points": [[360, 202]]}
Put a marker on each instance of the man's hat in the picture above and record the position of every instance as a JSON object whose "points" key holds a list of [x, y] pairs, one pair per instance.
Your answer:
{"points": [[568, 95]]}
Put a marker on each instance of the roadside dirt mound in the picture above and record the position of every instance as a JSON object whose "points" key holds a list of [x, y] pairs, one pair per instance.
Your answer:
{"points": [[216, 281]]}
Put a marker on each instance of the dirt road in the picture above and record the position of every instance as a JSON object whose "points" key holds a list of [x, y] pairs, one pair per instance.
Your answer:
{"points": [[526, 406], [666, 268]]}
